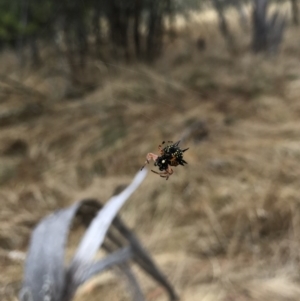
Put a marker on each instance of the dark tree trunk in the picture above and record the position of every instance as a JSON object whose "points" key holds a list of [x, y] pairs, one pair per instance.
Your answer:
{"points": [[97, 26], [35, 53], [267, 32], [260, 27], [118, 18], [295, 12], [21, 38], [151, 31], [125, 16], [223, 25], [69, 48], [114, 23], [136, 28], [155, 30], [82, 40]]}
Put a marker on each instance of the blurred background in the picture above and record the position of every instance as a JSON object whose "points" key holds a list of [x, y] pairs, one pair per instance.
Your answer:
{"points": [[89, 87]]}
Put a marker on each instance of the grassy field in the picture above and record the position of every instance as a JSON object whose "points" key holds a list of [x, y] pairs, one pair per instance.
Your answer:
{"points": [[224, 228]]}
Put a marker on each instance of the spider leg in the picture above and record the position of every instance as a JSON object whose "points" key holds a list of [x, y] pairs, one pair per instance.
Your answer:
{"points": [[163, 174], [160, 173], [166, 173], [160, 148], [148, 158], [169, 171]]}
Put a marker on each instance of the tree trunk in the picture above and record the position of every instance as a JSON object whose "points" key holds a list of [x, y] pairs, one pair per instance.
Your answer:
{"points": [[267, 32], [114, 24], [82, 43], [97, 26], [69, 48], [24, 20], [260, 27], [136, 28], [295, 12], [223, 25], [124, 18], [35, 53], [152, 21], [155, 29]]}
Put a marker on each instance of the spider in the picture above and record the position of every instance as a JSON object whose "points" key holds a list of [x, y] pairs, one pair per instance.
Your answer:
{"points": [[170, 155]]}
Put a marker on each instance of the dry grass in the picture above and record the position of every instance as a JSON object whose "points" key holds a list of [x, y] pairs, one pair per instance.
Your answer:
{"points": [[226, 227]]}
